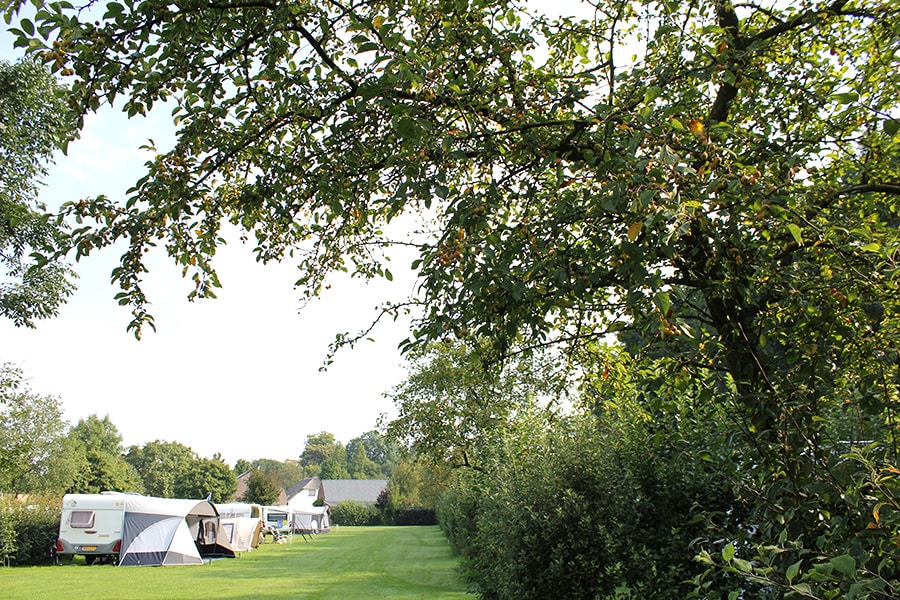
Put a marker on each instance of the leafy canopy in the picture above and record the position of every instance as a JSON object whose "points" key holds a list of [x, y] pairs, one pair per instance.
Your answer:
{"points": [[716, 183], [741, 160], [34, 122]]}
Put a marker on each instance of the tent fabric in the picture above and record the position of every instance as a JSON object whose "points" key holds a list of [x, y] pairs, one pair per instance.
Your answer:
{"points": [[242, 532], [314, 519], [171, 531]]}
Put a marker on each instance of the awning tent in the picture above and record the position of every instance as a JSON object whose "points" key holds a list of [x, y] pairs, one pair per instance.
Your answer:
{"points": [[242, 532], [311, 520], [171, 531]]}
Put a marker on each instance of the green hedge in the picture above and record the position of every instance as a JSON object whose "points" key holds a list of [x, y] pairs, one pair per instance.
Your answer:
{"points": [[351, 513], [585, 514], [414, 516], [28, 530]]}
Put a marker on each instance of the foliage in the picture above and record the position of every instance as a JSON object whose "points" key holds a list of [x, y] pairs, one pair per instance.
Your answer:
{"points": [[416, 483], [160, 464], [454, 404], [207, 478], [591, 505], [98, 444], [318, 448], [286, 473], [360, 466], [368, 456], [351, 513], [28, 529], [715, 183], [380, 450], [262, 488], [34, 122], [335, 466], [416, 516], [34, 455]]}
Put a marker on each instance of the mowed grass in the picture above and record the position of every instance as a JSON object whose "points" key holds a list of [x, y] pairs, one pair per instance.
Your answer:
{"points": [[349, 562]]}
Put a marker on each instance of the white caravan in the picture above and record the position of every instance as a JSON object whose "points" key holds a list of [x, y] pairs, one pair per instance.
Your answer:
{"points": [[91, 525]]}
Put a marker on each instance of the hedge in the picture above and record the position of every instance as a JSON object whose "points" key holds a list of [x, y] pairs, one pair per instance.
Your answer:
{"points": [[28, 530]]}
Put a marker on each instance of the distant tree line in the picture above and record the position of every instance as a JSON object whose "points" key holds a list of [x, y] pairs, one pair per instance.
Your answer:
{"points": [[40, 453]]}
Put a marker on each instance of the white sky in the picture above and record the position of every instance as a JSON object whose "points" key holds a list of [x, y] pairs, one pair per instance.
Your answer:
{"points": [[239, 375]]}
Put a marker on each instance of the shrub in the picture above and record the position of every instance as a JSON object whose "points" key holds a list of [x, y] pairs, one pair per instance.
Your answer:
{"points": [[578, 511], [28, 529], [414, 516], [352, 513]]}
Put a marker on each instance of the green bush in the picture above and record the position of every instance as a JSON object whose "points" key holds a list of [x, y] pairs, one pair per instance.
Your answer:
{"points": [[28, 529], [351, 513], [582, 512], [414, 516]]}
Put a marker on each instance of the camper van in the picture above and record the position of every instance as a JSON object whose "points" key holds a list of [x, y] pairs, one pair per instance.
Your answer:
{"points": [[277, 518], [91, 525]]}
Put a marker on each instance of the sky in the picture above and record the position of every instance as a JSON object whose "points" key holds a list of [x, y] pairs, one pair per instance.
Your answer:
{"points": [[238, 375]]}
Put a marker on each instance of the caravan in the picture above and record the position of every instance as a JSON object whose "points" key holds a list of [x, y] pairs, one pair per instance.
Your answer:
{"points": [[130, 529], [91, 525], [277, 519]]}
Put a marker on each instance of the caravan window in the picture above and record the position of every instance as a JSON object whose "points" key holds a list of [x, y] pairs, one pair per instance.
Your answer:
{"points": [[277, 519], [82, 519]]}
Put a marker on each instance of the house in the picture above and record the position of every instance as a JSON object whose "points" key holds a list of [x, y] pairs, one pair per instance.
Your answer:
{"points": [[365, 491], [306, 500], [304, 494]]}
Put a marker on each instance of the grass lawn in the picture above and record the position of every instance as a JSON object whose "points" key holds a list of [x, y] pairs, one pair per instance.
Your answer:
{"points": [[349, 562]]}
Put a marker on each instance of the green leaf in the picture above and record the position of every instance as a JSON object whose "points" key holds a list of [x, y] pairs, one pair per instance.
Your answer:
{"points": [[891, 126], [845, 564], [662, 302], [728, 553], [871, 247], [743, 566], [652, 93], [793, 571], [846, 97], [795, 232]]}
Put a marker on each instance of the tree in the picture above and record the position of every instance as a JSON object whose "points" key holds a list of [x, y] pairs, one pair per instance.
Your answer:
{"points": [[383, 452], [453, 406], [318, 448], [417, 483], [360, 466], [36, 122], [207, 478], [103, 467], [335, 465], [33, 451], [160, 464], [286, 473], [241, 466], [727, 197], [262, 488]]}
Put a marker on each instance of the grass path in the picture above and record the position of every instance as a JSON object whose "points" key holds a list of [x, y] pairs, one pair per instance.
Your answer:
{"points": [[350, 562]]}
